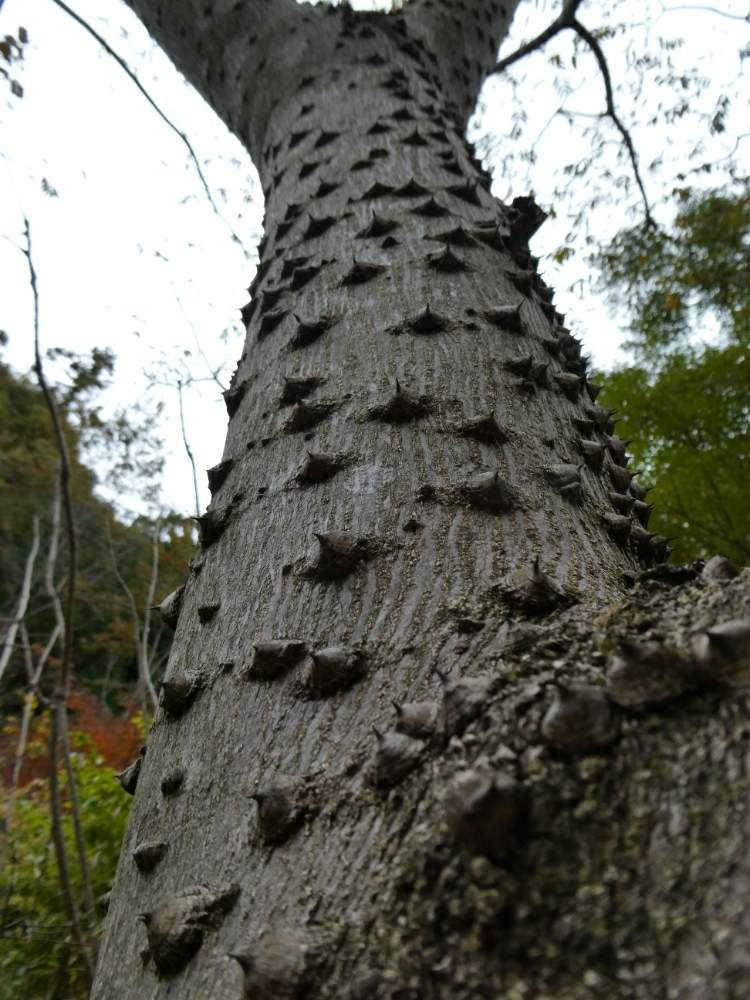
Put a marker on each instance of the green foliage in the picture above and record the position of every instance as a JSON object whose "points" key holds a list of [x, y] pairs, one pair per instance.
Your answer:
{"points": [[685, 397], [37, 944]]}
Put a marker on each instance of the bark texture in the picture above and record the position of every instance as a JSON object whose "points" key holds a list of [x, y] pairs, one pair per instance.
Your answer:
{"points": [[419, 502]]}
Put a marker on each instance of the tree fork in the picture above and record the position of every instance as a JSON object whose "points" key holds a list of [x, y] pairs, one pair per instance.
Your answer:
{"points": [[450, 555]]}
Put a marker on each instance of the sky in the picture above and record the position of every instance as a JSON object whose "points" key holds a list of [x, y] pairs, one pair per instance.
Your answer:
{"points": [[130, 254]]}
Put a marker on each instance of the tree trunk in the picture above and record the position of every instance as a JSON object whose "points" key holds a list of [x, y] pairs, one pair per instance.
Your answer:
{"points": [[421, 497]]}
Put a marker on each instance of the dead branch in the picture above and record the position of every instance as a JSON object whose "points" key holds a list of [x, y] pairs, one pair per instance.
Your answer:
{"points": [[139, 638], [563, 21], [23, 599]]}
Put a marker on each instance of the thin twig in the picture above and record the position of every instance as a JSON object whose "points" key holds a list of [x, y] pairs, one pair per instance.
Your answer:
{"points": [[123, 65], [583, 33], [139, 638], [708, 9], [58, 714], [566, 20], [150, 604], [190, 455]]}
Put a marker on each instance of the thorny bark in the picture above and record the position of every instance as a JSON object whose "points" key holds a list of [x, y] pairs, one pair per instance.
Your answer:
{"points": [[396, 309], [34, 672]]}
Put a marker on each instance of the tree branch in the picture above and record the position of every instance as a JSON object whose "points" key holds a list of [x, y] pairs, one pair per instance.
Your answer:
{"points": [[140, 639], [593, 44], [28, 704], [188, 450], [677, 508], [224, 51], [464, 59], [566, 20], [167, 121], [708, 9], [23, 599], [149, 606], [64, 467], [23, 736], [58, 714], [562, 21]]}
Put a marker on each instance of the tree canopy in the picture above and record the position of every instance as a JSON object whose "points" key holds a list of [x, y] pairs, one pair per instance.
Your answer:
{"points": [[684, 395]]}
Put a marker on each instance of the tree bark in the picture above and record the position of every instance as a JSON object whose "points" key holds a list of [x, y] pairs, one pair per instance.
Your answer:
{"points": [[451, 540]]}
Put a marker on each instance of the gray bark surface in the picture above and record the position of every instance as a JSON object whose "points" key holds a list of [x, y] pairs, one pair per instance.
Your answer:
{"points": [[398, 331]]}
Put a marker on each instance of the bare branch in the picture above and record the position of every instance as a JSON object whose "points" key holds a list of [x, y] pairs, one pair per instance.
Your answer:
{"points": [[708, 165], [58, 714], [28, 704], [595, 47], [567, 20], [23, 736], [708, 9], [23, 599], [58, 838], [149, 606], [170, 124], [60, 631], [64, 468], [562, 21], [677, 508], [75, 813], [139, 638], [188, 450]]}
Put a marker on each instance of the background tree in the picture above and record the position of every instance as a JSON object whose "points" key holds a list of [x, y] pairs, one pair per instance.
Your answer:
{"points": [[685, 397], [468, 849], [104, 729]]}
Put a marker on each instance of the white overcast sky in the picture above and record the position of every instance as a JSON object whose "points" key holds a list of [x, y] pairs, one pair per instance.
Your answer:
{"points": [[131, 256]]}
